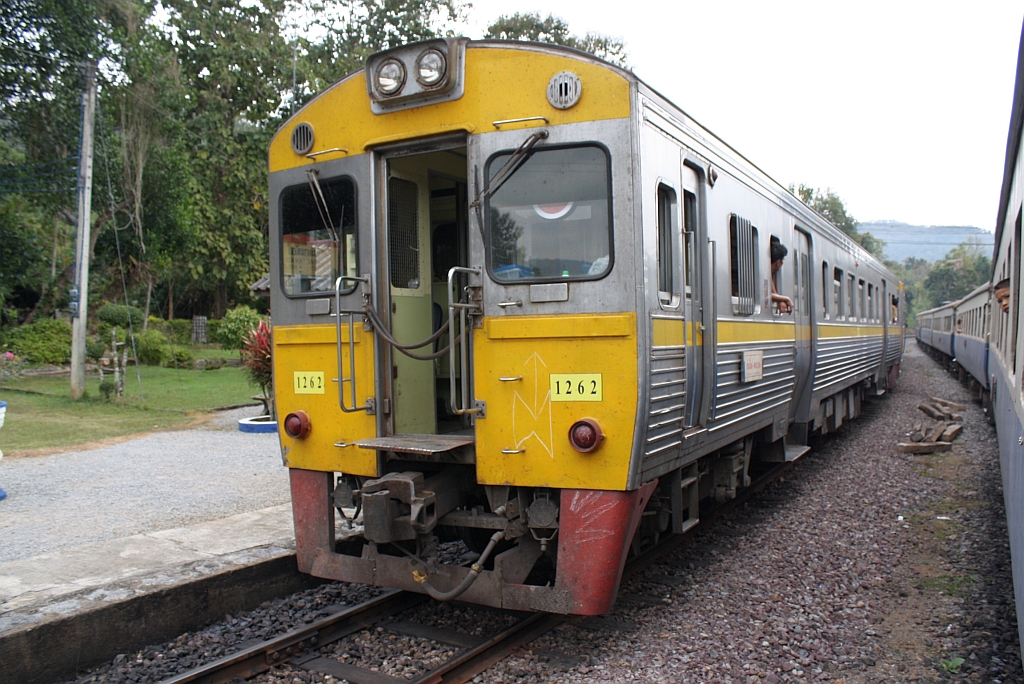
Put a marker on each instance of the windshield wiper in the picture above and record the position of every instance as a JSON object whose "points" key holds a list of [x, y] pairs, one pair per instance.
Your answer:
{"points": [[513, 164], [322, 207]]}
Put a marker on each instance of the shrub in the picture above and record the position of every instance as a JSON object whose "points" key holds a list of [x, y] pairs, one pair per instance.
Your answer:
{"points": [[94, 349], [236, 325], [107, 389], [10, 365], [44, 341], [179, 357], [153, 348], [119, 315], [179, 330], [212, 330]]}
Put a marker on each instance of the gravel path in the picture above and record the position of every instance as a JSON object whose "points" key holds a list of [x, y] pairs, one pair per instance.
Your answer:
{"points": [[155, 482], [862, 565]]}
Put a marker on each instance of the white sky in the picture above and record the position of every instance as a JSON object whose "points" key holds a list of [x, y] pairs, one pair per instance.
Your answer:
{"points": [[902, 108]]}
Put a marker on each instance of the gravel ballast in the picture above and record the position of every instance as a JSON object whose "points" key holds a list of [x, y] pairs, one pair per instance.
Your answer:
{"points": [[155, 482], [861, 565]]}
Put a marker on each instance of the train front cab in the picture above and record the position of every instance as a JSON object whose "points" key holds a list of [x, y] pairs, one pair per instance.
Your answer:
{"points": [[598, 322], [519, 427]]}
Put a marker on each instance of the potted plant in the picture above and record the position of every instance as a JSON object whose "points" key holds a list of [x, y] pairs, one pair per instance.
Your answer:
{"points": [[257, 359]]}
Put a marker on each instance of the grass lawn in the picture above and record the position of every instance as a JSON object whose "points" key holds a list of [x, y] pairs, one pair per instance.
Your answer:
{"points": [[41, 422]]}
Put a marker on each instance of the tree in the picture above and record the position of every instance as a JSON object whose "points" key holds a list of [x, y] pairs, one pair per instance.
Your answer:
{"points": [[830, 206], [352, 30], [964, 268], [234, 67], [873, 245], [530, 26]]}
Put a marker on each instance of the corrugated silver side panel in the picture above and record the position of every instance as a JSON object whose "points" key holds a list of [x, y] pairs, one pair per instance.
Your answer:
{"points": [[895, 349], [667, 391], [842, 359], [736, 401]]}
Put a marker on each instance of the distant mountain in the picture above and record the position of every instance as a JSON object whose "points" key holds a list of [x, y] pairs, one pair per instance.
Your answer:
{"points": [[931, 243]]}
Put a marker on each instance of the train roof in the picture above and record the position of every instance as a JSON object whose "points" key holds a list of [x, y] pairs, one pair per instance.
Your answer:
{"points": [[1013, 138]]}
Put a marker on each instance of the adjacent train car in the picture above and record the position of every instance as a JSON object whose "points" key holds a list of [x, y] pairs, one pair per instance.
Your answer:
{"points": [[523, 301], [970, 342], [1006, 344], [938, 331]]}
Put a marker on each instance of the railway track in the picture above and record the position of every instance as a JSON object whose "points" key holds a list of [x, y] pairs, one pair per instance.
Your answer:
{"points": [[307, 647]]}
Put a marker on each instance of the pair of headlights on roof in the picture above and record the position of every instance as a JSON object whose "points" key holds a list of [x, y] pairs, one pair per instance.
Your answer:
{"points": [[431, 66]]}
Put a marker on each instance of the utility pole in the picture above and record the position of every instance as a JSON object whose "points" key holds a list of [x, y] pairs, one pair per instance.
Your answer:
{"points": [[80, 288]]}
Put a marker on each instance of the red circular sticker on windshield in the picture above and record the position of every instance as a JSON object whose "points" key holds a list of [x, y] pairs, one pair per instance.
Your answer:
{"points": [[553, 211]]}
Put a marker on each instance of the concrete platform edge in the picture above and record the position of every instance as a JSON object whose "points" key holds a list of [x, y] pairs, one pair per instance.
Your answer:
{"points": [[57, 649]]}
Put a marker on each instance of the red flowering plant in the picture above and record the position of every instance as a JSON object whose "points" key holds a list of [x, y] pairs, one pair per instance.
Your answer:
{"points": [[257, 358], [10, 365]]}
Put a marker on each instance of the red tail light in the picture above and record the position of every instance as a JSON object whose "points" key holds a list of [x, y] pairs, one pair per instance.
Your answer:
{"points": [[297, 424], [585, 435]]}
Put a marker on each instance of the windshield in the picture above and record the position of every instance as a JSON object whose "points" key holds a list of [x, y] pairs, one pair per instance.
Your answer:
{"points": [[318, 238], [551, 219]]}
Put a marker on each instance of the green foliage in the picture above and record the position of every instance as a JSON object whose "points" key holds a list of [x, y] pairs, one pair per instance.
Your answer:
{"points": [[44, 341], [179, 330], [23, 246], [10, 365], [964, 268], [153, 348], [952, 665], [107, 389], [212, 330], [94, 349], [180, 357], [355, 29], [873, 245], [236, 325], [530, 26], [830, 206], [120, 315]]}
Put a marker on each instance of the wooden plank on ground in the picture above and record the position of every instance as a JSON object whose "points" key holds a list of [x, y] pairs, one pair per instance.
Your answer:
{"points": [[923, 447]]}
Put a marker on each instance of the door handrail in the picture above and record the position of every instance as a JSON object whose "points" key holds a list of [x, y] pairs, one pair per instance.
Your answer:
{"points": [[351, 313], [467, 407]]}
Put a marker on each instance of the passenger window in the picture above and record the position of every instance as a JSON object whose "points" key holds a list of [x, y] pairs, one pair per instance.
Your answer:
{"points": [[894, 309], [851, 294], [781, 302], [805, 284], [743, 265], [668, 246], [826, 291], [690, 232], [860, 300], [318, 235], [871, 302], [837, 292]]}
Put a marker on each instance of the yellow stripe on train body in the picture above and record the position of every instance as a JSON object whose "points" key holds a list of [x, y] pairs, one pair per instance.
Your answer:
{"points": [[309, 349], [849, 330], [755, 331], [515, 358], [499, 85]]}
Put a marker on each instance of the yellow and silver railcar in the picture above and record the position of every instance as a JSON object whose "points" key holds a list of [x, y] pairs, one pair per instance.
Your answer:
{"points": [[582, 276]]}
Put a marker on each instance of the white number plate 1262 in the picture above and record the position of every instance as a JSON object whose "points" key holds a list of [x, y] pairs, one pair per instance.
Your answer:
{"points": [[576, 387], [309, 382]]}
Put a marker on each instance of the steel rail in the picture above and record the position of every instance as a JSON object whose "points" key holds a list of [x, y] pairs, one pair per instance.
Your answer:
{"points": [[297, 645], [261, 657]]}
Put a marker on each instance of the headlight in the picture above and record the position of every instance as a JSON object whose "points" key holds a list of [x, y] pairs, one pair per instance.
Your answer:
{"points": [[430, 68], [390, 77]]}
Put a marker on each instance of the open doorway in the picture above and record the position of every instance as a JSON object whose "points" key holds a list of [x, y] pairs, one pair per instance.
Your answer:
{"points": [[427, 215]]}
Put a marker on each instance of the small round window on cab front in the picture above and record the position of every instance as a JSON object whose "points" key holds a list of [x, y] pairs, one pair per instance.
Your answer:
{"points": [[550, 220]]}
